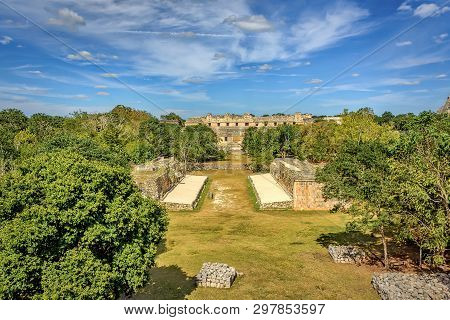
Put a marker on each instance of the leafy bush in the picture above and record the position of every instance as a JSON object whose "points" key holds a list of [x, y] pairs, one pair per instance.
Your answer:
{"points": [[72, 228]]}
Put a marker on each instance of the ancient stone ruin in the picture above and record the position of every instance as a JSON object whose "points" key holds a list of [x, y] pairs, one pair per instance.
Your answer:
{"points": [[346, 254], [404, 286], [230, 128], [156, 178], [216, 275]]}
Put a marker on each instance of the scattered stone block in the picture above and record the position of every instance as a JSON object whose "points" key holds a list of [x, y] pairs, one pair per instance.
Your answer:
{"points": [[405, 286], [346, 254], [216, 275]]}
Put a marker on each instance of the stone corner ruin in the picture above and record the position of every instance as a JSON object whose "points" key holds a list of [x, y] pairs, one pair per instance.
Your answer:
{"points": [[291, 183], [164, 180]]}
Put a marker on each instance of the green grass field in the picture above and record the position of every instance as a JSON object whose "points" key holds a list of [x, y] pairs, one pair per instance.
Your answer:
{"points": [[280, 253]]}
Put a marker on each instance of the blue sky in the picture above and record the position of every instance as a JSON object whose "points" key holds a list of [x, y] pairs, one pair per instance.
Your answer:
{"points": [[194, 57]]}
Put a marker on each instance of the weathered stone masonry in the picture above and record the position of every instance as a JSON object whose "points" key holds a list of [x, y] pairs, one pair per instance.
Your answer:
{"points": [[298, 179], [158, 177], [231, 128]]}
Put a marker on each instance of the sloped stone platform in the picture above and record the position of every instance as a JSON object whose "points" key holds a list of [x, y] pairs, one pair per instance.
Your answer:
{"points": [[186, 194], [269, 193], [404, 286], [216, 275]]}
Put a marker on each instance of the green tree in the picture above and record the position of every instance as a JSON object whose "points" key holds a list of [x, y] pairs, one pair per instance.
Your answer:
{"points": [[359, 177], [72, 228], [421, 190]]}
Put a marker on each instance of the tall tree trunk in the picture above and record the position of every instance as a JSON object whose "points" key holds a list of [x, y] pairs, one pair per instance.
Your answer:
{"points": [[420, 257], [385, 251]]}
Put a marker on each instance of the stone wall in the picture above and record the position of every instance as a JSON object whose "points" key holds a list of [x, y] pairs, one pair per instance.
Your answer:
{"points": [[308, 196], [230, 128], [298, 179], [404, 286], [156, 178]]}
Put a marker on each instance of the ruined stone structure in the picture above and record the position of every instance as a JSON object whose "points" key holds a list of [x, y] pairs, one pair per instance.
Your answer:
{"points": [[346, 254], [231, 128], [216, 275], [404, 286], [156, 178], [298, 179], [445, 108]]}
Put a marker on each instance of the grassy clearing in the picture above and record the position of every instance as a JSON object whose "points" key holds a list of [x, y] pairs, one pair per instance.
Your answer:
{"points": [[281, 253]]}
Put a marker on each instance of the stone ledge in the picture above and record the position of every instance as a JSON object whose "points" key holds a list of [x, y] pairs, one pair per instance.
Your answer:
{"points": [[404, 286]]}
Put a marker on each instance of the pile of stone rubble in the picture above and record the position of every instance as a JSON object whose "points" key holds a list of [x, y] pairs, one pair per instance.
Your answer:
{"points": [[404, 286], [216, 275], [346, 254]]}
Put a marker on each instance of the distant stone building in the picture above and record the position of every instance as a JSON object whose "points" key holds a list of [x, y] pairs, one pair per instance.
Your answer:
{"points": [[298, 179], [231, 128], [445, 108]]}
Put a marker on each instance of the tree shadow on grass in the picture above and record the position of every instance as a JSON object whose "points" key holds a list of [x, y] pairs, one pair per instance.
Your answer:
{"points": [[353, 238], [166, 283], [368, 243]]}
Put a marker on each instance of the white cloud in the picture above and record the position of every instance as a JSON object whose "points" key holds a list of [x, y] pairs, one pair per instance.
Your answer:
{"points": [[103, 93], [218, 56], [404, 6], [6, 40], [82, 55], [318, 31], [100, 86], [355, 74], [68, 18], [256, 23], [441, 76], [403, 43], [414, 61], [314, 81], [440, 38], [110, 75], [35, 72], [429, 9], [399, 82], [264, 67]]}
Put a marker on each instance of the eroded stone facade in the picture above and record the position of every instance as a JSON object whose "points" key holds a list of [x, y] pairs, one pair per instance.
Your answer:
{"points": [[230, 128], [298, 179], [156, 178]]}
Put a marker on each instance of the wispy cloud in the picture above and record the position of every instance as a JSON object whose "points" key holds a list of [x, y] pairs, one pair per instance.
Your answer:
{"points": [[255, 23], [6, 40], [403, 43], [314, 81], [440, 38], [415, 61]]}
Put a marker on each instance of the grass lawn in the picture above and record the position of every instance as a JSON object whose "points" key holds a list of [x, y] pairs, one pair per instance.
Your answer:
{"points": [[278, 252]]}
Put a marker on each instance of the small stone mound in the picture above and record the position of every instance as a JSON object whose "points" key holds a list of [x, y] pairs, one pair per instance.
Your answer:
{"points": [[404, 286], [216, 275], [346, 254]]}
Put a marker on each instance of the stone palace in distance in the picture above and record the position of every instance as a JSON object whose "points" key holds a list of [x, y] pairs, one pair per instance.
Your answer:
{"points": [[230, 128]]}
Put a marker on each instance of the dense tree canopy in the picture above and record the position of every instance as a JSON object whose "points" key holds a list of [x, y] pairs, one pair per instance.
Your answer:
{"points": [[73, 228]]}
